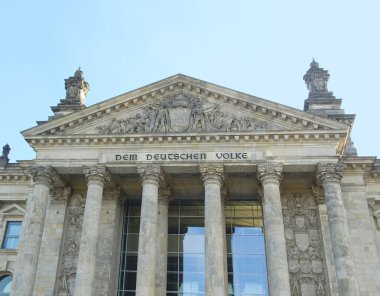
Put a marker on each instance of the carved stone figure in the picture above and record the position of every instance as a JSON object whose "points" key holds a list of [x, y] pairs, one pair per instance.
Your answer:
{"points": [[181, 112]]}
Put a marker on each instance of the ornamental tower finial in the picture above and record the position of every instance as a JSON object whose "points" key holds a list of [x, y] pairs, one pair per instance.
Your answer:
{"points": [[76, 91], [316, 79]]}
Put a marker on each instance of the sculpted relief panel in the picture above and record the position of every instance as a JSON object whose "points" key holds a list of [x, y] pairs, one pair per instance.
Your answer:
{"points": [[303, 244], [182, 113], [73, 228]]}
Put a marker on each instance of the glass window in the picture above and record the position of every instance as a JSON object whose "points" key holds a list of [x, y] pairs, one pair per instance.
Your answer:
{"points": [[247, 272], [12, 235], [5, 285], [129, 249], [186, 249]]}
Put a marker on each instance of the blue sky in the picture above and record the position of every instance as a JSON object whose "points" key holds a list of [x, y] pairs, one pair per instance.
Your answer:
{"points": [[256, 46]]}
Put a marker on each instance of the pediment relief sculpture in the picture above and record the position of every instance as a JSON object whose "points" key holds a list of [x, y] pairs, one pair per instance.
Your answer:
{"points": [[183, 112]]}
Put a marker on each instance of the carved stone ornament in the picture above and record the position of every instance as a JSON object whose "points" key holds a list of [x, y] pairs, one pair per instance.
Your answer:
{"points": [[303, 244], [269, 172], [316, 79], [97, 173], [164, 193], [73, 231], [318, 194], [375, 213], [42, 174], [111, 193], [329, 172], [76, 87], [61, 193], [212, 172], [150, 173], [182, 112], [4, 159]]}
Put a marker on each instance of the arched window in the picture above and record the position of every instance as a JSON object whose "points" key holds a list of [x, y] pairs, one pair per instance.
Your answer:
{"points": [[5, 285]]}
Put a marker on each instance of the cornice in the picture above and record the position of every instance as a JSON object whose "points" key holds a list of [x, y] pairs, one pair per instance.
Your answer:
{"points": [[149, 93], [14, 173], [12, 177], [311, 136], [358, 164]]}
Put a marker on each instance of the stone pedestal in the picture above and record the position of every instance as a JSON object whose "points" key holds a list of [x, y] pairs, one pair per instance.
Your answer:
{"points": [[270, 175], [216, 272], [33, 226], [146, 262], [162, 240], [96, 178], [329, 174]]}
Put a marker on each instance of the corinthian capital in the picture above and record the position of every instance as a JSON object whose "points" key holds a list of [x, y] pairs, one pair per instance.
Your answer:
{"points": [[329, 172], [97, 174], [269, 172], [43, 174], [212, 172], [150, 173]]}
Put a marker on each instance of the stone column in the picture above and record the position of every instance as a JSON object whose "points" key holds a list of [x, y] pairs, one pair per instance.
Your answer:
{"points": [[270, 175], [96, 177], [33, 225], [329, 174], [146, 263], [162, 240], [212, 177], [48, 261], [108, 252]]}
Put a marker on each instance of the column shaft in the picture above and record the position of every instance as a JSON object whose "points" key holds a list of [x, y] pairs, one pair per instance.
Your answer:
{"points": [[96, 178], [216, 272], [330, 175], [162, 241], [33, 225], [48, 261], [275, 245], [146, 263]]}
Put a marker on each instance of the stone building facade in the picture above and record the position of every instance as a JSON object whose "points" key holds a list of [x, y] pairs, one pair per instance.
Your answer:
{"points": [[183, 187]]}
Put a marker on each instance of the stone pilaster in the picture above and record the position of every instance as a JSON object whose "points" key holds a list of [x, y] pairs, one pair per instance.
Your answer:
{"points": [[216, 272], [162, 240], [329, 175], [270, 175], [146, 263], [96, 177], [52, 236], [33, 226], [325, 234]]}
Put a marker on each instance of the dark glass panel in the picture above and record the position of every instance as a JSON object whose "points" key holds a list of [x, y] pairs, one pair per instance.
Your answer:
{"points": [[131, 261], [133, 225], [130, 281], [172, 243], [132, 243]]}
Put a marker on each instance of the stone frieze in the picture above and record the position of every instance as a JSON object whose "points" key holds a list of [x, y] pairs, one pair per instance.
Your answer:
{"points": [[182, 112]]}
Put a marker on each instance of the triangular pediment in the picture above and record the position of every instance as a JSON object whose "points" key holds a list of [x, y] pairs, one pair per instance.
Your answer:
{"points": [[13, 210], [182, 105]]}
